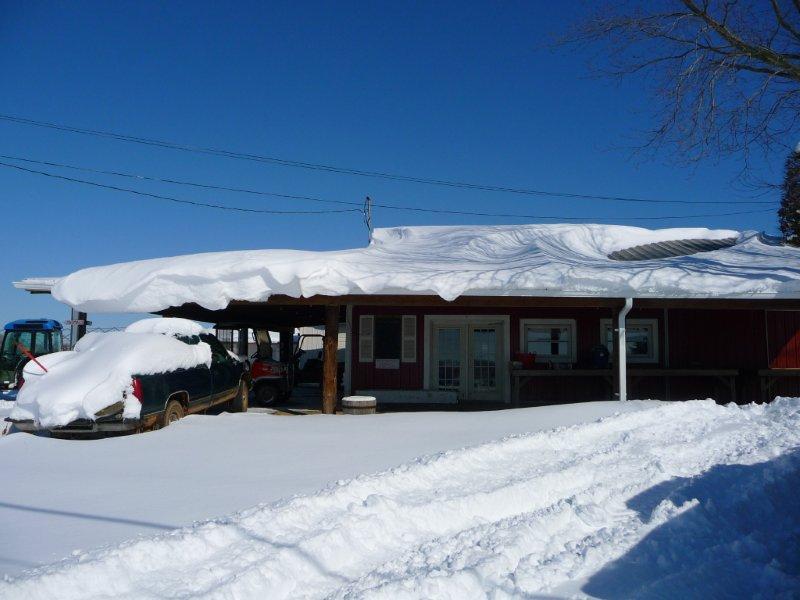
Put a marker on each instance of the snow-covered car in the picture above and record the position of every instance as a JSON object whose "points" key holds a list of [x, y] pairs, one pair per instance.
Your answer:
{"points": [[148, 376]]}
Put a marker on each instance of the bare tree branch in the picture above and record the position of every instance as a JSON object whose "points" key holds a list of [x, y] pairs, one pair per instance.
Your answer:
{"points": [[724, 74]]}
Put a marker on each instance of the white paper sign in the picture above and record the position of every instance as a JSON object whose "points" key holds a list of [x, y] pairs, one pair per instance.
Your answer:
{"points": [[387, 363]]}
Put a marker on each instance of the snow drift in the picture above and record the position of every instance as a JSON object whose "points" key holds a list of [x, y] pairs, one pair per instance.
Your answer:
{"points": [[98, 372], [518, 260], [687, 499]]}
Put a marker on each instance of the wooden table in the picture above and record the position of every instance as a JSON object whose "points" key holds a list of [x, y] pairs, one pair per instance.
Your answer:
{"points": [[520, 377], [770, 376]]}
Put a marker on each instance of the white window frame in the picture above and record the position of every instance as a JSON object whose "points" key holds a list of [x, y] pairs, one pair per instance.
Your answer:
{"points": [[653, 357], [571, 323]]}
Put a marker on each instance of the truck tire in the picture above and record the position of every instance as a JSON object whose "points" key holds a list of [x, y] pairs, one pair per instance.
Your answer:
{"points": [[241, 402], [266, 394], [172, 413]]}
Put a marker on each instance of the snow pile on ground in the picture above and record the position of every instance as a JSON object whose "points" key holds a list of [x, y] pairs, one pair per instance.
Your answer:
{"points": [[689, 499], [523, 260], [6, 407], [98, 372]]}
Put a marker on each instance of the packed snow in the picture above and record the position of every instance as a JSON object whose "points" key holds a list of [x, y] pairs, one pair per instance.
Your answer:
{"points": [[64, 386], [509, 260], [117, 488], [681, 500]]}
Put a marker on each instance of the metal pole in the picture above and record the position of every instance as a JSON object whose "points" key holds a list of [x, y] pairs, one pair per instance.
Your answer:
{"points": [[622, 354]]}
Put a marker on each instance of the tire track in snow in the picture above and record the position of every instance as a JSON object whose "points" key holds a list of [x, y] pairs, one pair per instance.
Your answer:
{"points": [[515, 516]]}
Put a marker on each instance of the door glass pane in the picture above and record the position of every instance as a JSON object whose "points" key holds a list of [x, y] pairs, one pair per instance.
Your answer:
{"points": [[448, 357], [484, 358]]}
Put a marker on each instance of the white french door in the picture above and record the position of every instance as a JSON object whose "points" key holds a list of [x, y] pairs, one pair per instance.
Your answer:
{"points": [[468, 358]]}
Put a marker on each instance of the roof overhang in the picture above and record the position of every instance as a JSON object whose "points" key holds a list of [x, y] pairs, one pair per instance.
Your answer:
{"points": [[36, 285]]}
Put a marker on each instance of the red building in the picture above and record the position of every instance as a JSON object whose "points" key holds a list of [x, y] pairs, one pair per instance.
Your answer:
{"points": [[456, 315]]}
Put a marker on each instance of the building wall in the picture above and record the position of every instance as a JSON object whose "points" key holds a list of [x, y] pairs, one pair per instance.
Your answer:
{"points": [[747, 340]]}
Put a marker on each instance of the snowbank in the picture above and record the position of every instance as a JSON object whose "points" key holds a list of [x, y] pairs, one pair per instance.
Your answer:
{"points": [[685, 499], [523, 260], [98, 372]]}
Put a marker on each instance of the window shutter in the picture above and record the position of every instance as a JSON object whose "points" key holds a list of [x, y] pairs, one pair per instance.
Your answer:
{"points": [[409, 351], [366, 337]]}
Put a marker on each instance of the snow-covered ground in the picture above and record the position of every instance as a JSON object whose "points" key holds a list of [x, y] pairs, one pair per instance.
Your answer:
{"points": [[61, 495], [661, 500]]}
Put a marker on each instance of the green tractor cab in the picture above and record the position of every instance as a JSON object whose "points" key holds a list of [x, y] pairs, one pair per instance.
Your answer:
{"points": [[40, 336]]}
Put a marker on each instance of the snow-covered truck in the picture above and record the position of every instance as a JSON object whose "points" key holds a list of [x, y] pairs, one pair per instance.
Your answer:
{"points": [[148, 376]]}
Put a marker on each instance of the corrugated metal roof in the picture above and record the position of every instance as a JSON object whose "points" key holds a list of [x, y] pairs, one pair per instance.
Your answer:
{"points": [[671, 248]]}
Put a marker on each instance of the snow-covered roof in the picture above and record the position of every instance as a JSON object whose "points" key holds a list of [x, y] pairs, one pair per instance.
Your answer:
{"points": [[507, 260]]}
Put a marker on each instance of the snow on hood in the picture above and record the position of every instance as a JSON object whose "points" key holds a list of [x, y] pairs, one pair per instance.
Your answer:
{"points": [[508, 260], [98, 372]]}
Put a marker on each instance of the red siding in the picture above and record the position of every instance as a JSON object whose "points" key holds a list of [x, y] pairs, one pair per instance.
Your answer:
{"points": [[732, 339], [783, 334]]}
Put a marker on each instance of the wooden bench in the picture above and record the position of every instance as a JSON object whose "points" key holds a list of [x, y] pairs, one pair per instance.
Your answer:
{"points": [[521, 377], [770, 376]]}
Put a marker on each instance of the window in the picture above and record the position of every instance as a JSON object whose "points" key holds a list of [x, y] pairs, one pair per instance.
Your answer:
{"points": [[11, 353], [218, 352], [641, 337], [549, 339], [389, 337], [448, 341]]}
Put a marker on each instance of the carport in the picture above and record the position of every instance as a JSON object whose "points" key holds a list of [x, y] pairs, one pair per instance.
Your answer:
{"points": [[279, 313], [283, 314]]}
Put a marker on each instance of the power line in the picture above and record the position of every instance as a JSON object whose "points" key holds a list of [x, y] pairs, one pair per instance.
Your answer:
{"points": [[178, 200], [357, 172], [206, 186], [361, 210]]}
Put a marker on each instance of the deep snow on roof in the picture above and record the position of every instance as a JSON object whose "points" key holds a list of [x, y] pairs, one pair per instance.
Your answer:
{"points": [[507, 260]]}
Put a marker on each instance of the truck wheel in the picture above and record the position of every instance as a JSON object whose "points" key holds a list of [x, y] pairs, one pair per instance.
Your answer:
{"points": [[266, 394], [172, 413], [241, 401]]}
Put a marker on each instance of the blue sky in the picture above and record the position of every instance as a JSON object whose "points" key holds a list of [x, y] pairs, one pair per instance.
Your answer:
{"points": [[460, 91]]}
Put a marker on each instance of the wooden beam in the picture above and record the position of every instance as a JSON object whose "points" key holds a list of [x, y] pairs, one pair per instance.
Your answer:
{"points": [[330, 345], [461, 301], [285, 349]]}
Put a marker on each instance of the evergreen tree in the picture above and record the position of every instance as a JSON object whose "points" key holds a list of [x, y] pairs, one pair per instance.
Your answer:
{"points": [[789, 212]]}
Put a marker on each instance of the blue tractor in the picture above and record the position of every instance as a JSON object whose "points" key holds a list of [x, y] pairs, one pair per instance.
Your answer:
{"points": [[38, 336]]}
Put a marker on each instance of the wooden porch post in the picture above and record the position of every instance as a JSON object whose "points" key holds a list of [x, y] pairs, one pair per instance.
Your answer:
{"points": [[242, 349], [329, 366], [285, 344]]}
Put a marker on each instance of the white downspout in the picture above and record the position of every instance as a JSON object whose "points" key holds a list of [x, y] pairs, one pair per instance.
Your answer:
{"points": [[622, 359]]}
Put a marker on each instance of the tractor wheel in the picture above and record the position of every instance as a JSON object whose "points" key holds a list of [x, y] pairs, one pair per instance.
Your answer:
{"points": [[240, 403], [172, 413], [266, 394]]}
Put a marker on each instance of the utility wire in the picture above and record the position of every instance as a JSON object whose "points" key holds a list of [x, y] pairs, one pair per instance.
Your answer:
{"points": [[361, 210], [178, 200], [357, 172], [206, 186]]}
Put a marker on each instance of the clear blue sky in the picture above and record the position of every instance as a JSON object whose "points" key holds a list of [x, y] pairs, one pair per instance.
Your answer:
{"points": [[460, 90]]}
